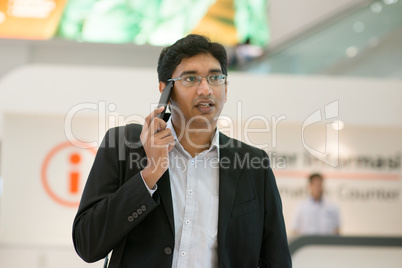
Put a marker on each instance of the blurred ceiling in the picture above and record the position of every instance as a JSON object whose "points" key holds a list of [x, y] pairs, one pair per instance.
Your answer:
{"points": [[363, 40], [308, 37]]}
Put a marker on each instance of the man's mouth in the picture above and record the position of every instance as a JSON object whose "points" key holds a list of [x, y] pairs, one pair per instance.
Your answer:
{"points": [[204, 104]]}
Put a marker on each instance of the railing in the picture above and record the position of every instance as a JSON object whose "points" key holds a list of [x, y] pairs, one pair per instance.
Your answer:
{"points": [[303, 241], [346, 252]]}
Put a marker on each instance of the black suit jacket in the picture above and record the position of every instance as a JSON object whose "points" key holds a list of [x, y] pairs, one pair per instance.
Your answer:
{"points": [[251, 230]]}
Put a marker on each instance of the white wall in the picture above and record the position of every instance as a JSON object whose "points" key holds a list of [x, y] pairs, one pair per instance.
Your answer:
{"points": [[57, 88]]}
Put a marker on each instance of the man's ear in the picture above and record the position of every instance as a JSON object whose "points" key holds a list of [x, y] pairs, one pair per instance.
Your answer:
{"points": [[162, 85]]}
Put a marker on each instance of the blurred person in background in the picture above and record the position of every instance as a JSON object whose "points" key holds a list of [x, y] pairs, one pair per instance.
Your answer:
{"points": [[316, 215]]}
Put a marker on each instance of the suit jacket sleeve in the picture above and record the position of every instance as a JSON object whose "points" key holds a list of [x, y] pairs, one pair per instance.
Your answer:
{"points": [[107, 209], [274, 250]]}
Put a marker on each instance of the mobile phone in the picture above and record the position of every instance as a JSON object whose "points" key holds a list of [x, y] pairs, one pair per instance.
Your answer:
{"points": [[164, 100]]}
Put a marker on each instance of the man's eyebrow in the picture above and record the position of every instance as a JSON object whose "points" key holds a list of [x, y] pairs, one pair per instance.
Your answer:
{"points": [[188, 72], [195, 72], [215, 71]]}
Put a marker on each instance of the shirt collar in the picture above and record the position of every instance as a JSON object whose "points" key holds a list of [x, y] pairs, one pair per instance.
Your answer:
{"points": [[312, 200], [214, 141]]}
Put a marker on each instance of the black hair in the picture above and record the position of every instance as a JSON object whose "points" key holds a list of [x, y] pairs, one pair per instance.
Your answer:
{"points": [[189, 46], [315, 175]]}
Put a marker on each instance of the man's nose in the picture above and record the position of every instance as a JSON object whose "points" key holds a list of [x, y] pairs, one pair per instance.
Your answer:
{"points": [[204, 87]]}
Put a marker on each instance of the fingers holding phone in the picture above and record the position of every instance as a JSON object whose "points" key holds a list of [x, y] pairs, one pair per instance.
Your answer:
{"points": [[157, 141]]}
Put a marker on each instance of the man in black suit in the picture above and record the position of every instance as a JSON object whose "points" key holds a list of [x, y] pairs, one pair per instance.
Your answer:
{"points": [[178, 193]]}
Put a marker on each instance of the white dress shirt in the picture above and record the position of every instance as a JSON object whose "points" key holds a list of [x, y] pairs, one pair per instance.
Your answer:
{"points": [[195, 188], [195, 195]]}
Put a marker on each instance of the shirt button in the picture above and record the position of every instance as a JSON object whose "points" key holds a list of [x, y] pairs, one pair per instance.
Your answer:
{"points": [[192, 162], [135, 215], [167, 250], [190, 191], [139, 211], [130, 218], [183, 253], [187, 222], [143, 207]]}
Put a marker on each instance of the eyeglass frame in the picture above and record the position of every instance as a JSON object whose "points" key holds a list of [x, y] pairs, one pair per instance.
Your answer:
{"points": [[199, 78]]}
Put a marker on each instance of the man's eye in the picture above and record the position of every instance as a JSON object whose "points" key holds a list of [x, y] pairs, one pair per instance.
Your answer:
{"points": [[214, 77], [190, 78]]}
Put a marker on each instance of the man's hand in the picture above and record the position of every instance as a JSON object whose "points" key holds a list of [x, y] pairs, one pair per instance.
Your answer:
{"points": [[158, 141]]}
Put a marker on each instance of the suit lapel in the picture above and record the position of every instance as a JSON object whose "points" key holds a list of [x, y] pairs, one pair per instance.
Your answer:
{"points": [[166, 197], [166, 192], [228, 179]]}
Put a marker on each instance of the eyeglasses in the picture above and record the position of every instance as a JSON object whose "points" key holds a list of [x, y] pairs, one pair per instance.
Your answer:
{"points": [[194, 80]]}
